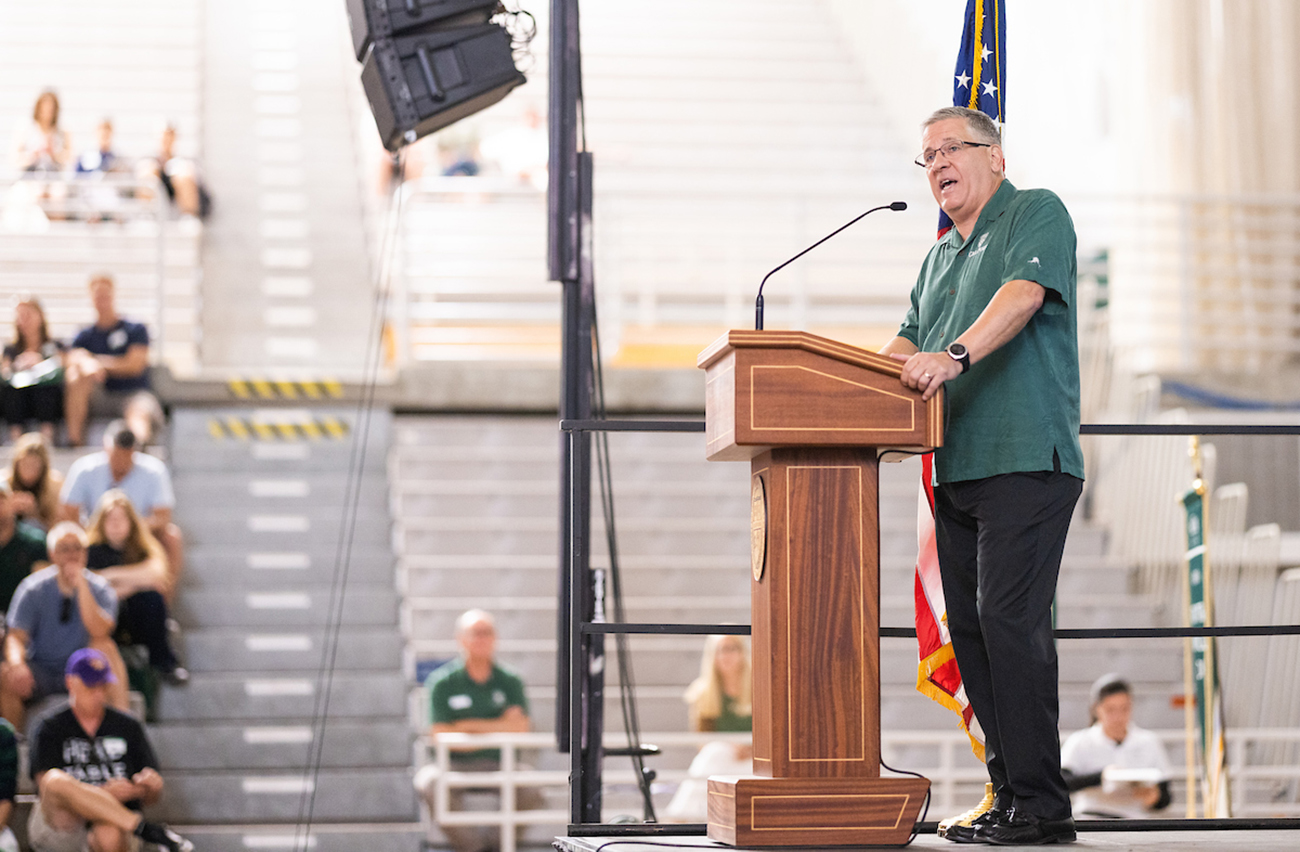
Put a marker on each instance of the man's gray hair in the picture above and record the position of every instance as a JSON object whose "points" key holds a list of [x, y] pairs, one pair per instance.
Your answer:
{"points": [[473, 616], [981, 126], [62, 530]]}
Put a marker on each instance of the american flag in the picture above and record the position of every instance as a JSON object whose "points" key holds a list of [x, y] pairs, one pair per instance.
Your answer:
{"points": [[979, 82]]}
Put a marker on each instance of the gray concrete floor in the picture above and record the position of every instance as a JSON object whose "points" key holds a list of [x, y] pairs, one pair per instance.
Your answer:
{"points": [[1137, 841]]}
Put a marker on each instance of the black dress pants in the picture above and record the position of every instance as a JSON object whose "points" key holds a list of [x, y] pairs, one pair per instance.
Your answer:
{"points": [[999, 542]]}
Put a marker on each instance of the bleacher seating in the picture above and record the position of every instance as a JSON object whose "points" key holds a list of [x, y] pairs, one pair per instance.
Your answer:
{"points": [[137, 62], [717, 157], [476, 525]]}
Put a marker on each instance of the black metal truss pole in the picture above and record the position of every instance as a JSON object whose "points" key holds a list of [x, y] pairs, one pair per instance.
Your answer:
{"points": [[580, 662]]}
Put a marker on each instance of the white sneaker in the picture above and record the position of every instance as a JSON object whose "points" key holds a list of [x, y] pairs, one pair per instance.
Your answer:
{"points": [[971, 815]]}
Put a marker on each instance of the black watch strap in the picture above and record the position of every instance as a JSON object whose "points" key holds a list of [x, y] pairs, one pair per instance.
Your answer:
{"points": [[960, 354]]}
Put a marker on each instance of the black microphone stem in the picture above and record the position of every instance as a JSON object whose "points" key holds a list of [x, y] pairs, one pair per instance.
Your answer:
{"points": [[758, 302]]}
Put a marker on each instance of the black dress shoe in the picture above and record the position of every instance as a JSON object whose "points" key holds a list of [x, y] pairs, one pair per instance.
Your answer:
{"points": [[967, 833], [1019, 828]]}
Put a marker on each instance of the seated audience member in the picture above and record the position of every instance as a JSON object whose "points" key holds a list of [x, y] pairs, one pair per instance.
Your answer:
{"points": [[145, 480], [94, 770], [474, 694], [34, 484], [179, 177], [124, 552], [107, 370], [1114, 769], [55, 612], [721, 700], [32, 368], [22, 548], [8, 784], [102, 159], [103, 201], [42, 146]]}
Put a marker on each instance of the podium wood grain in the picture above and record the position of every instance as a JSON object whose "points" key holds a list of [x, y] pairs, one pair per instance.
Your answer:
{"points": [[811, 415]]}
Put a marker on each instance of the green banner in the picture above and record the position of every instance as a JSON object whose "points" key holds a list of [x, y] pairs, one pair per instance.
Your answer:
{"points": [[1194, 502], [1211, 752]]}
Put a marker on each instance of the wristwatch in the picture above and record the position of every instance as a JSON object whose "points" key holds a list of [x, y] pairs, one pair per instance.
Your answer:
{"points": [[960, 354]]}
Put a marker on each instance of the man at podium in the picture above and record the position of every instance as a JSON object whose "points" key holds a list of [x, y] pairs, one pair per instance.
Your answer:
{"points": [[992, 320]]}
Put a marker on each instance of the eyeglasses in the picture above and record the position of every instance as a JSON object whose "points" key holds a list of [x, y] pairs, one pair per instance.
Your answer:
{"points": [[65, 610], [949, 150]]}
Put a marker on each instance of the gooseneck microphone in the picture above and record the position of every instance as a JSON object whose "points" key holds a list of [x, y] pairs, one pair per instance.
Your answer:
{"points": [[758, 303]]}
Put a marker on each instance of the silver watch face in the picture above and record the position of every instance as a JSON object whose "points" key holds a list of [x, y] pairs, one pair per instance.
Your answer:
{"points": [[957, 351]]}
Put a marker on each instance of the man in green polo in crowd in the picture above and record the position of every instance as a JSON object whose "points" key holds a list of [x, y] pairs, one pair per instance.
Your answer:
{"points": [[474, 694], [992, 321], [22, 548]]}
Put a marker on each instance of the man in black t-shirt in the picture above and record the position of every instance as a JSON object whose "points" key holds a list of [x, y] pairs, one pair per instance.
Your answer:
{"points": [[106, 372], [94, 769]]}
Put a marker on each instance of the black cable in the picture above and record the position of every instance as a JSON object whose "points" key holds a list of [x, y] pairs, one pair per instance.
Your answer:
{"points": [[348, 521], [925, 805], [666, 629], [626, 678], [659, 845]]}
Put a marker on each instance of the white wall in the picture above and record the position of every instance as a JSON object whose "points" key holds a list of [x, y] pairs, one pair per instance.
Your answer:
{"points": [[1062, 63]]}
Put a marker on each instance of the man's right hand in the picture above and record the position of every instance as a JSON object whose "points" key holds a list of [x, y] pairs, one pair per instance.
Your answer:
{"points": [[121, 789]]}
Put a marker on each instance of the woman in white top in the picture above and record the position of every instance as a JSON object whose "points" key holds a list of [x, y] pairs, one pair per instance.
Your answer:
{"points": [[42, 146], [1114, 769]]}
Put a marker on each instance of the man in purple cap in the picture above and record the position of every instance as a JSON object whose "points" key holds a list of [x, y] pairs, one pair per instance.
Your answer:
{"points": [[94, 770]]}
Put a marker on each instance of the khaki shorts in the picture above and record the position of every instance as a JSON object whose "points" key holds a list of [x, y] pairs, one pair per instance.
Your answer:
{"points": [[44, 838]]}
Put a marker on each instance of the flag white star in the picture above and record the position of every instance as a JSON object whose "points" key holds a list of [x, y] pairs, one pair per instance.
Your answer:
{"points": [[989, 88], [963, 80], [984, 53]]}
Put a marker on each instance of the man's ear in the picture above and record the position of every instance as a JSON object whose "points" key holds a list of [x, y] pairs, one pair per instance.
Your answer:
{"points": [[998, 159]]}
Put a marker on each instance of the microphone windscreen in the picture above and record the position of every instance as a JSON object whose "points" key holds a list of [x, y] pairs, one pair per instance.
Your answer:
{"points": [[898, 205]]}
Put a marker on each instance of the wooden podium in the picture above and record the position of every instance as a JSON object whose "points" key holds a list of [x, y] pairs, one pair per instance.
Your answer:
{"points": [[811, 416]]}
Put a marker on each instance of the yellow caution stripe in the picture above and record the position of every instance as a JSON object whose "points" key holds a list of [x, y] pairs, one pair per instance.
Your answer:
{"points": [[264, 389], [231, 428]]}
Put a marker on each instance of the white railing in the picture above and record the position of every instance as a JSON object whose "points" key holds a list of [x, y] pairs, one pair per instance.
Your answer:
{"points": [[1262, 784], [56, 230], [512, 775], [1196, 281]]}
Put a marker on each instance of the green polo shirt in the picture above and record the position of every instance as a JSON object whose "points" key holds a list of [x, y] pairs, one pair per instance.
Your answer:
{"points": [[19, 554], [1015, 408], [454, 695]]}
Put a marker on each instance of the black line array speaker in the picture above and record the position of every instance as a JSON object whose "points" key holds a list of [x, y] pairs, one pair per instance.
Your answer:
{"points": [[429, 63]]}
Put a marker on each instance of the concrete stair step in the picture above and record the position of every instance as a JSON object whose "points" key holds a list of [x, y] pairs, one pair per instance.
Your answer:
{"points": [[258, 530], [221, 491], [354, 795], [701, 543], [192, 423], [269, 457], [667, 576], [283, 745], [536, 433], [422, 624], [289, 649], [292, 607], [226, 565], [661, 661], [287, 837], [700, 503], [252, 696]]}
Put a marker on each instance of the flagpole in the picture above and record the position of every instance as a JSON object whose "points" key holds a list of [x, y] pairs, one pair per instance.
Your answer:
{"points": [[1189, 689]]}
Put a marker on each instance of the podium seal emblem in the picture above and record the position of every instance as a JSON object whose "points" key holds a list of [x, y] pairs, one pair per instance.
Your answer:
{"points": [[757, 526]]}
